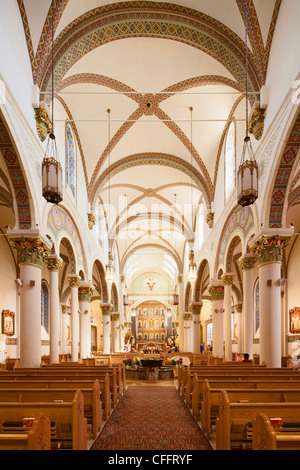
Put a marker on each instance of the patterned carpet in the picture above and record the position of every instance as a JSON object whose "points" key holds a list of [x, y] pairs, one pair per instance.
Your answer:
{"points": [[151, 418]]}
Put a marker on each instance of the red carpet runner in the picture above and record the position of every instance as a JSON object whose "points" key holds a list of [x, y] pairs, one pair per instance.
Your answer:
{"points": [[151, 418]]}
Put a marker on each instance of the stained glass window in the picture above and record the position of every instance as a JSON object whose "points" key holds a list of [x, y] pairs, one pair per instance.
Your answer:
{"points": [[45, 306], [230, 160], [256, 306], [70, 159]]}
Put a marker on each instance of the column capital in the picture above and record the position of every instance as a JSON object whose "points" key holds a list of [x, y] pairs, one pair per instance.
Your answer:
{"points": [[54, 262], [115, 316], [74, 280], [227, 279], [85, 291], [268, 246], [196, 307], [216, 290], [64, 309], [31, 246], [106, 308], [238, 307], [186, 316], [247, 261]]}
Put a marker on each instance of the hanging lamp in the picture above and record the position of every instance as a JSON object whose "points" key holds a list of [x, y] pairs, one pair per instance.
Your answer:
{"points": [[247, 175], [109, 276], [192, 274], [52, 186]]}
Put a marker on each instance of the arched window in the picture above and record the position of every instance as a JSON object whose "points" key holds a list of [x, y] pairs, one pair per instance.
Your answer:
{"points": [[45, 306], [70, 159], [256, 306], [209, 334], [230, 169]]}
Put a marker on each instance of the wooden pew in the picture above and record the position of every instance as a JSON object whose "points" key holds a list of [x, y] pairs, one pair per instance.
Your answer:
{"points": [[240, 373], [71, 425], [53, 383], [92, 402], [266, 437], [221, 382], [36, 437], [231, 424], [211, 396], [115, 376]]}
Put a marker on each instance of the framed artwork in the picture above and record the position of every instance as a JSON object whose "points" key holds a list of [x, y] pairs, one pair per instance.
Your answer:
{"points": [[8, 322], [295, 320]]}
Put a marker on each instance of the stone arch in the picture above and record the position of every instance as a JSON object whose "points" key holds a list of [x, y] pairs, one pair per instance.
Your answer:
{"points": [[229, 257], [24, 212], [200, 279], [114, 297], [279, 193], [187, 299], [144, 19], [99, 281], [150, 159], [240, 222]]}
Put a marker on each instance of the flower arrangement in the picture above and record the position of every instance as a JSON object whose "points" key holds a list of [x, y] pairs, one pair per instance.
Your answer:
{"points": [[175, 360], [137, 361], [128, 361]]}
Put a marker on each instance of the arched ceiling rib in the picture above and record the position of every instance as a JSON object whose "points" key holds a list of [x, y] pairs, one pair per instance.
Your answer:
{"points": [[150, 62]]}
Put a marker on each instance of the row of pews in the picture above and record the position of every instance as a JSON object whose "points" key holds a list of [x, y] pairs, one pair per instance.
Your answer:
{"points": [[57, 406], [244, 406]]}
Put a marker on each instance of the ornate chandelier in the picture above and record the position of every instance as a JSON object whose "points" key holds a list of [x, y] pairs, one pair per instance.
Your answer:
{"points": [[247, 175], [52, 186]]}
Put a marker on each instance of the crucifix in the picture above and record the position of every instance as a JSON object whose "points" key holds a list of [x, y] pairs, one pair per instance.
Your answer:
{"points": [[151, 283]]}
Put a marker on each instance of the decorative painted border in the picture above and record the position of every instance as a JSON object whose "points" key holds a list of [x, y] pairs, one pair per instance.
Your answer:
{"points": [[286, 164], [12, 161]]}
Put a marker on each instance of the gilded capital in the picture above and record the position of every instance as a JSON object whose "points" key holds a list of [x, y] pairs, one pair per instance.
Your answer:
{"points": [[54, 262], [115, 316], [74, 280], [247, 261], [30, 250], [216, 291], [186, 316], [269, 249], [227, 279], [196, 308], [91, 220], [238, 307], [85, 294], [64, 309], [43, 122], [106, 308]]}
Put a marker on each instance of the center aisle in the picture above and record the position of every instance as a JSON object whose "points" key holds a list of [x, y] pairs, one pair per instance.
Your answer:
{"points": [[151, 418]]}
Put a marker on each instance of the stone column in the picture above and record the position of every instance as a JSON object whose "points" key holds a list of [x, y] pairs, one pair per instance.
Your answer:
{"points": [[54, 263], [64, 328], [106, 310], [238, 318], [85, 294], [181, 309], [31, 252], [115, 330], [227, 279], [122, 312], [268, 247], [187, 317], [216, 290], [197, 336], [74, 280], [247, 262]]}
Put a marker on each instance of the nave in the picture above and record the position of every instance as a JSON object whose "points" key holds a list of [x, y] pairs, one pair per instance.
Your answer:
{"points": [[218, 406]]}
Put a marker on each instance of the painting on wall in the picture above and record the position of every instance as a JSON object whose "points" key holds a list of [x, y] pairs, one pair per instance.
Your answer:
{"points": [[295, 320], [8, 323]]}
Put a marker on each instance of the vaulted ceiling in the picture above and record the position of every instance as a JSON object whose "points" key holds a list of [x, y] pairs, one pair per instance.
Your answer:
{"points": [[149, 63]]}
